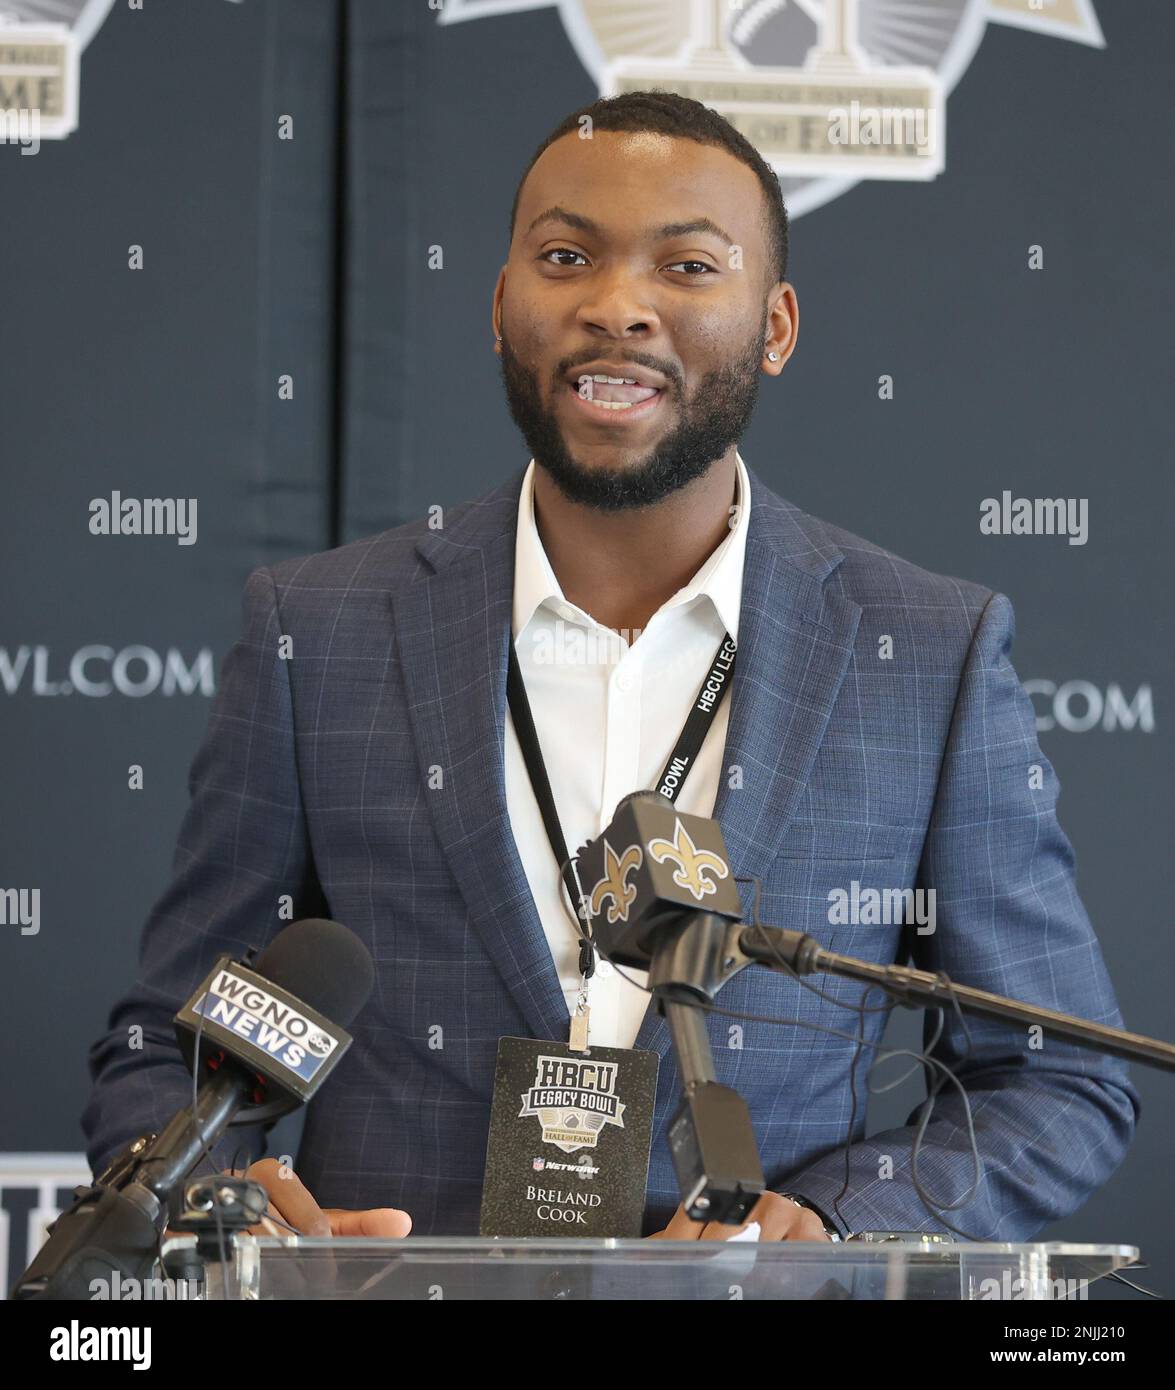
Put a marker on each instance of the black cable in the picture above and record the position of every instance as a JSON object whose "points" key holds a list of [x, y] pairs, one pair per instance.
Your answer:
{"points": [[220, 1238], [934, 1066], [1138, 1288], [925, 1059], [884, 1054], [789, 969]]}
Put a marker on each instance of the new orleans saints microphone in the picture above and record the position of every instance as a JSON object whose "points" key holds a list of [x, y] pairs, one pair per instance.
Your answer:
{"points": [[661, 896], [269, 1035]]}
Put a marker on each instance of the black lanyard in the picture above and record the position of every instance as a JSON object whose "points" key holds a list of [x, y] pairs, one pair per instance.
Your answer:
{"points": [[676, 770]]}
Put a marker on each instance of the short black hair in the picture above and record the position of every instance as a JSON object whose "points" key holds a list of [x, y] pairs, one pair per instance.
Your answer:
{"points": [[667, 113]]}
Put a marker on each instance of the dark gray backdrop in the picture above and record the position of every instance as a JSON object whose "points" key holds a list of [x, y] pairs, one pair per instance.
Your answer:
{"points": [[309, 257]]}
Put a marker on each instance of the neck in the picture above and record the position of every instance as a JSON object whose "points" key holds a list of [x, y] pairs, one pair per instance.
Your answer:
{"points": [[622, 566]]}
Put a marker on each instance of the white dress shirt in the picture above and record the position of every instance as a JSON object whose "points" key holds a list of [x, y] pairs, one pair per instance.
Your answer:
{"points": [[608, 714]]}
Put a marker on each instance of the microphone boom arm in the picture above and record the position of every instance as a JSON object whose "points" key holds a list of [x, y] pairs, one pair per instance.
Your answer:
{"points": [[711, 1137], [793, 952]]}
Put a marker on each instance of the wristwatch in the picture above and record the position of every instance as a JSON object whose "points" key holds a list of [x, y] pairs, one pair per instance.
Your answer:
{"points": [[829, 1229]]}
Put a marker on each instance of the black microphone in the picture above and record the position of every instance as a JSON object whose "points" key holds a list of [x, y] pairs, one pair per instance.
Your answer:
{"points": [[660, 895], [650, 866], [269, 1037], [270, 1033]]}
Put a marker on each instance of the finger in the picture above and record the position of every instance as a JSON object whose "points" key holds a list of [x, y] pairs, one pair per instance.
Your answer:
{"points": [[266, 1227], [680, 1228], [376, 1221], [808, 1227], [777, 1217], [715, 1230], [780, 1218], [291, 1198]]}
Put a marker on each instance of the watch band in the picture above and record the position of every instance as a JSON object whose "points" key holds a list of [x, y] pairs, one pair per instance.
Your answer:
{"points": [[829, 1229]]}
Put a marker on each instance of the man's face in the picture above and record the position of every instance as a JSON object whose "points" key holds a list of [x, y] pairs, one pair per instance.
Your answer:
{"points": [[644, 257]]}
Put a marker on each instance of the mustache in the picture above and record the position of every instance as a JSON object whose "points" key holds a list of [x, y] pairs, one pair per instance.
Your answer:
{"points": [[669, 370], [638, 359]]}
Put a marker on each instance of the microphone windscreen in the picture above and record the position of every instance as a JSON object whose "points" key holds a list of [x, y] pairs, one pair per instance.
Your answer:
{"points": [[649, 794], [324, 964]]}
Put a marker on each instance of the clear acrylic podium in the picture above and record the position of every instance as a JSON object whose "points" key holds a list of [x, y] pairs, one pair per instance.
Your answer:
{"points": [[432, 1269]]}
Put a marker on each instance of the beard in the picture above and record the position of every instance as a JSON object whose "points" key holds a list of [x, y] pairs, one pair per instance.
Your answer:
{"points": [[712, 419]]}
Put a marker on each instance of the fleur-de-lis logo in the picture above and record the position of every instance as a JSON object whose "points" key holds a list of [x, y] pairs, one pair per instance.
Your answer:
{"points": [[614, 884], [692, 862]]}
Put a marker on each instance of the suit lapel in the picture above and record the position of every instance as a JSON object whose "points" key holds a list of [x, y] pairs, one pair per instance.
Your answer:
{"points": [[453, 630], [795, 638]]}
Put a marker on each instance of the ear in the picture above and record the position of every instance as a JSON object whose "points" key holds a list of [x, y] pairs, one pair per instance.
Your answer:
{"points": [[783, 326], [496, 311]]}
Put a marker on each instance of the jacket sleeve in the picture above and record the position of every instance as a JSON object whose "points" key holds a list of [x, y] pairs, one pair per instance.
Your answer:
{"points": [[1052, 1121], [242, 845]]}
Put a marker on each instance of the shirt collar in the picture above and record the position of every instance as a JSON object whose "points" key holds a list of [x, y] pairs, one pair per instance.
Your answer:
{"points": [[719, 579]]}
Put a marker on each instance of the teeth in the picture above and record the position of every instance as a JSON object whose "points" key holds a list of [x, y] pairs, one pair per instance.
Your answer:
{"points": [[586, 381]]}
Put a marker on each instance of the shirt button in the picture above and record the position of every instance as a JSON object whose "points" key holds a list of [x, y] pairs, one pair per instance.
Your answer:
{"points": [[623, 682], [604, 970]]}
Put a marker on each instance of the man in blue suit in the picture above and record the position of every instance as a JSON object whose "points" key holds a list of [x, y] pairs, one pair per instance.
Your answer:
{"points": [[361, 761]]}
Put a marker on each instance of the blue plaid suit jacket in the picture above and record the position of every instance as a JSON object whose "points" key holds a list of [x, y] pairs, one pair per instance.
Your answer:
{"points": [[314, 781]]}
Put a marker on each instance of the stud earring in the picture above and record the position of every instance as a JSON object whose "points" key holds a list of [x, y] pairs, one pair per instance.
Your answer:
{"points": [[773, 357]]}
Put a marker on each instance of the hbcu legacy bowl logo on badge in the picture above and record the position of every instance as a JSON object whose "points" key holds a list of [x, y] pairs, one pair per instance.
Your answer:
{"points": [[829, 91], [574, 1099]]}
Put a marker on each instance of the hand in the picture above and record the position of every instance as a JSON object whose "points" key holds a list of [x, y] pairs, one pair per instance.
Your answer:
{"points": [[292, 1202], [779, 1218]]}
